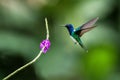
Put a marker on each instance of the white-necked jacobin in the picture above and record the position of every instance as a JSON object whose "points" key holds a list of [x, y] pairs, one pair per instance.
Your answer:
{"points": [[75, 34]]}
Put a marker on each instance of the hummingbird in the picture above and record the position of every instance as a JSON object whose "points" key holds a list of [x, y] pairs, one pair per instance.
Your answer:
{"points": [[75, 34]]}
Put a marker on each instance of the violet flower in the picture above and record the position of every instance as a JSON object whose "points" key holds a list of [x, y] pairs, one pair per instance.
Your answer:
{"points": [[45, 43]]}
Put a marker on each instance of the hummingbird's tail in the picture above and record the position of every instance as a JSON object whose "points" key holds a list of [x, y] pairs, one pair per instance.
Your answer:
{"points": [[83, 47]]}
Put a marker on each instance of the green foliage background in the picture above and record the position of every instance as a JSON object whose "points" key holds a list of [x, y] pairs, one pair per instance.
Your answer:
{"points": [[22, 28]]}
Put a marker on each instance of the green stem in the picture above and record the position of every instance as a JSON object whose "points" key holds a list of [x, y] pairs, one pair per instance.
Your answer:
{"points": [[23, 67], [31, 62]]}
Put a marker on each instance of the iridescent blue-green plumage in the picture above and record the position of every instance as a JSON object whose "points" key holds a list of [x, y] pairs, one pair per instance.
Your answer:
{"points": [[75, 34]]}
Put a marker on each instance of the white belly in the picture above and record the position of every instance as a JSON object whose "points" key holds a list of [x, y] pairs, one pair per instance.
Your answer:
{"points": [[74, 40]]}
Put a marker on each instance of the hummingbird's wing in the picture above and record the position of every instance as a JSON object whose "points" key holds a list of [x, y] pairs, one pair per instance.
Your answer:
{"points": [[86, 27]]}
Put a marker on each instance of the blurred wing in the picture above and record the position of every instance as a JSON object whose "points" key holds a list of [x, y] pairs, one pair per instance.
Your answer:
{"points": [[85, 30], [86, 27], [89, 23]]}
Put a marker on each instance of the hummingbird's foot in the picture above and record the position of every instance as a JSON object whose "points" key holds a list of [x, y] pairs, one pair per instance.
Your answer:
{"points": [[76, 43]]}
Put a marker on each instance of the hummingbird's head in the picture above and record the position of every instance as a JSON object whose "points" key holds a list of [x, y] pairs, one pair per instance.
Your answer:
{"points": [[70, 28], [68, 25]]}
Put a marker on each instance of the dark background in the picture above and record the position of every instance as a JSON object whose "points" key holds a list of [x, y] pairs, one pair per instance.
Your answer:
{"points": [[22, 28]]}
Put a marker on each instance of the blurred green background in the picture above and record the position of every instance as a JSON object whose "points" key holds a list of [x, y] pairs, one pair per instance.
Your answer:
{"points": [[22, 28]]}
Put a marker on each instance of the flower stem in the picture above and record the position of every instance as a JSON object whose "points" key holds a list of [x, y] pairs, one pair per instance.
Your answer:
{"points": [[31, 62], [19, 69], [47, 30]]}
